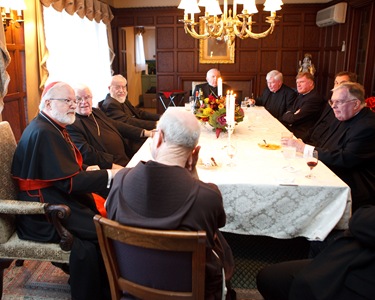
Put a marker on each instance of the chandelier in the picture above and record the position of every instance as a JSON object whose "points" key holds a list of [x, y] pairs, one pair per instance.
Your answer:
{"points": [[231, 23]]}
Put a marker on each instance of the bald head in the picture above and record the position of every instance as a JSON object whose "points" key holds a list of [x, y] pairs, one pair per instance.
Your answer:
{"points": [[118, 88], [212, 76]]}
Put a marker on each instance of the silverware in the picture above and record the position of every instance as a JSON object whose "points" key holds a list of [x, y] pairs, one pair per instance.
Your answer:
{"points": [[213, 160]]}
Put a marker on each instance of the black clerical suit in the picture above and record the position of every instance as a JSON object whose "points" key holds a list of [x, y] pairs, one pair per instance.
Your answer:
{"points": [[210, 90], [103, 141], [127, 113], [277, 103], [343, 271], [48, 168], [304, 113], [349, 151], [317, 135]]}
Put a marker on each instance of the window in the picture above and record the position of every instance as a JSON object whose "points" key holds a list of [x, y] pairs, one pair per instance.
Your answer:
{"points": [[78, 51]]}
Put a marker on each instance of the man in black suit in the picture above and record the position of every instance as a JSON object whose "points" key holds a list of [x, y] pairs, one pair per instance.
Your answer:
{"points": [[307, 107], [210, 87], [318, 133], [118, 107], [101, 140], [343, 271], [276, 97], [349, 150]]}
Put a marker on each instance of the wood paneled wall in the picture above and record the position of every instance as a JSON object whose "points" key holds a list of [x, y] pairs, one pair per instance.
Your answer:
{"points": [[178, 53], [15, 101], [296, 34]]}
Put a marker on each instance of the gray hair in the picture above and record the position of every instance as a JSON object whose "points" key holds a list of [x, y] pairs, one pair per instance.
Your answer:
{"points": [[354, 89], [180, 128], [52, 90], [275, 74]]}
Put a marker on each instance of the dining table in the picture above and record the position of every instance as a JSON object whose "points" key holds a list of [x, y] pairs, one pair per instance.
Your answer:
{"points": [[262, 195]]}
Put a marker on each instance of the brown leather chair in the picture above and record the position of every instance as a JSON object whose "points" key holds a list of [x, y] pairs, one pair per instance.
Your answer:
{"points": [[152, 264], [11, 247]]}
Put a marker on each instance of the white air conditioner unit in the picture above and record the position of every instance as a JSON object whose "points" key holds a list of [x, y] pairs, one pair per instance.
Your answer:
{"points": [[331, 15]]}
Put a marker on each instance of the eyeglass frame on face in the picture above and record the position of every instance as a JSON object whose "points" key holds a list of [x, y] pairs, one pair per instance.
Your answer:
{"points": [[86, 98], [66, 100], [340, 102], [120, 87]]}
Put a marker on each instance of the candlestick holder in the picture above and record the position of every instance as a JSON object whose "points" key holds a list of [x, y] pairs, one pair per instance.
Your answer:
{"points": [[230, 129]]}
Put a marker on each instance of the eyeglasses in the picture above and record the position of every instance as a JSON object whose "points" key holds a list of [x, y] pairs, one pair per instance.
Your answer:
{"points": [[84, 98], [66, 100], [119, 87], [339, 102]]}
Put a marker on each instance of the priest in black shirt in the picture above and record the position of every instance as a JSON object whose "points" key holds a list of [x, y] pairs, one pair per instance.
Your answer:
{"points": [[101, 140], [276, 97]]}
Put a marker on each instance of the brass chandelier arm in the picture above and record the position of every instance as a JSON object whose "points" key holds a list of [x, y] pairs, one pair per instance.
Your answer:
{"points": [[227, 27]]}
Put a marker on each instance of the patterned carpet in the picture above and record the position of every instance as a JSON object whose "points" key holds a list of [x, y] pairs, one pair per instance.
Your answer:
{"points": [[43, 281]]}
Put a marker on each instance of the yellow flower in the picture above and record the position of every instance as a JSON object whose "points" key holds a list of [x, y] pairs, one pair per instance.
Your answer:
{"points": [[206, 100], [207, 111], [221, 105]]}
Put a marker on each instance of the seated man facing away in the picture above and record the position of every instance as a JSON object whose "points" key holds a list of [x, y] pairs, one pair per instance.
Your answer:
{"points": [[318, 134], [210, 87], [48, 168], [101, 140], [118, 107], [349, 150], [306, 108], [276, 97], [166, 194], [343, 271]]}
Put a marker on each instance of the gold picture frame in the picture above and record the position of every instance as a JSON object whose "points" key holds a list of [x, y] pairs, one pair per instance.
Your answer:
{"points": [[213, 51]]}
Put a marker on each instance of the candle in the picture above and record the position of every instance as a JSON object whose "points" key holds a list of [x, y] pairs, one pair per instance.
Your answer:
{"points": [[230, 108], [219, 87], [232, 104], [227, 107]]}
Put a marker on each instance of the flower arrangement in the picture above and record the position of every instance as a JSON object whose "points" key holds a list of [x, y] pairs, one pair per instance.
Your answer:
{"points": [[370, 103], [213, 111]]}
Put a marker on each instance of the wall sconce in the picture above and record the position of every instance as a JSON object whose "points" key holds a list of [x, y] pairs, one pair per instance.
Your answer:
{"points": [[12, 12]]}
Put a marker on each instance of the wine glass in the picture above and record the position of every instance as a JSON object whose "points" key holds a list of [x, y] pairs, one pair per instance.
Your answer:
{"points": [[289, 154], [231, 150], [311, 160]]}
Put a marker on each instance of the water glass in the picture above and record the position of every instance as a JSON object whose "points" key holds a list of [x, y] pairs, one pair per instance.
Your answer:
{"points": [[286, 136], [289, 154]]}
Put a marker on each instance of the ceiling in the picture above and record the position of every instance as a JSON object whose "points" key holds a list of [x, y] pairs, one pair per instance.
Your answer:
{"points": [[157, 3]]}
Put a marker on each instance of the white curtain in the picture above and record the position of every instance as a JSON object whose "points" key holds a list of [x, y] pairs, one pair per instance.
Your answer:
{"points": [[78, 51], [140, 60]]}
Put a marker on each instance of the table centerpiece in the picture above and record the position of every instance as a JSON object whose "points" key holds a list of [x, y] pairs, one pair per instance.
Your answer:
{"points": [[370, 103], [214, 110]]}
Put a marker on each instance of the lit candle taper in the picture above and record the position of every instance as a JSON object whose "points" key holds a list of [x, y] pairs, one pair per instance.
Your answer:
{"points": [[219, 87]]}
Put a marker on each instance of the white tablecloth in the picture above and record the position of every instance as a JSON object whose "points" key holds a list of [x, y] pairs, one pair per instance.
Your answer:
{"points": [[260, 197]]}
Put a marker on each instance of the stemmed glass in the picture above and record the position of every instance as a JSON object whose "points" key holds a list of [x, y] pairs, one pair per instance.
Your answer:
{"points": [[289, 154], [231, 150], [311, 160]]}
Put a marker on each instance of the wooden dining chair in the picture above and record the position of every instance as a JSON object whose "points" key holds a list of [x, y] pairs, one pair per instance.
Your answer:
{"points": [[152, 264]]}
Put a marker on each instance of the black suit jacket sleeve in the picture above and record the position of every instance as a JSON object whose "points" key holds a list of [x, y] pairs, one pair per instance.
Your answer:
{"points": [[311, 108], [115, 110], [362, 225], [126, 130], [93, 153], [140, 113]]}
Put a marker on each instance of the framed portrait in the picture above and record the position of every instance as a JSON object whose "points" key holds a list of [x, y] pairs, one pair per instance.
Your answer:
{"points": [[213, 51]]}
